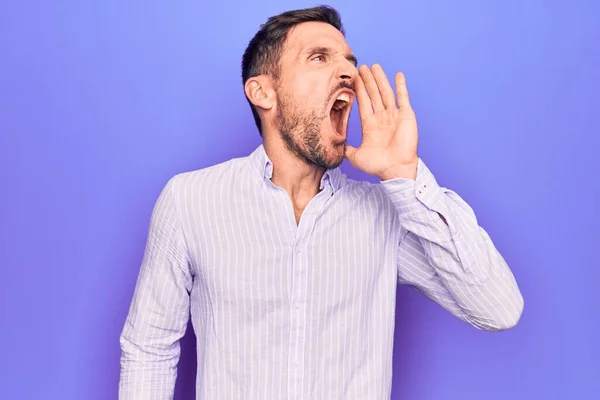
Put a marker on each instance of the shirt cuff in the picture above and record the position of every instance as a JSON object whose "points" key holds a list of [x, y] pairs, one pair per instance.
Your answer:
{"points": [[410, 197]]}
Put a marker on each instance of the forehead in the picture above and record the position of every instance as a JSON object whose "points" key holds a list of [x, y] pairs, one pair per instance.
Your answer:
{"points": [[310, 34]]}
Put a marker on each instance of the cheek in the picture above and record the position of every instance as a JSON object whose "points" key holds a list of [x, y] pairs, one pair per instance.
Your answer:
{"points": [[309, 89]]}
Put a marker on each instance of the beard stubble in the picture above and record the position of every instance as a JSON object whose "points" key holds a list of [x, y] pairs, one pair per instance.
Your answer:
{"points": [[301, 133]]}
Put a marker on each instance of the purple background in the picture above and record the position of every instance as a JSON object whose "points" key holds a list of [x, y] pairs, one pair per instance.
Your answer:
{"points": [[102, 101]]}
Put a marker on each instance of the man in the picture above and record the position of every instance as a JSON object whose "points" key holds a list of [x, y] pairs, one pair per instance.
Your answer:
{"points": [[288, 267]]}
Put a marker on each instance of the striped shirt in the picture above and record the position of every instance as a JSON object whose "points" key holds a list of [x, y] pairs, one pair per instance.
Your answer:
{"points": [[300, 311]]}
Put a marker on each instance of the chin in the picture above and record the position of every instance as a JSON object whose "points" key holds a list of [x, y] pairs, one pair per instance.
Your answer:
{"points": [[335, 155]]}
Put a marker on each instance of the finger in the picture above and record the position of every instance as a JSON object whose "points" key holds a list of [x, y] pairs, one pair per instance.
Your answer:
{"points": [[364, 103], [385, 89], [402, 91], [371, 85]]}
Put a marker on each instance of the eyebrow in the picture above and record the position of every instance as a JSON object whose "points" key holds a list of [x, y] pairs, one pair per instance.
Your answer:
{"points": [[327, 50]]}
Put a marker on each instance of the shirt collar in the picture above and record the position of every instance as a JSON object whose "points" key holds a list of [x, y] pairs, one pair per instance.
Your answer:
{"points": [[264, 168]]}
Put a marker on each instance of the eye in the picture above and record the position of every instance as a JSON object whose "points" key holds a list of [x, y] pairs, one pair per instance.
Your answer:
{"points": [[319, 57]]}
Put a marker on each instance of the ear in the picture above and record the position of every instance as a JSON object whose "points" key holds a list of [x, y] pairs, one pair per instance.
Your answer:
{"points": [[259, 90]]}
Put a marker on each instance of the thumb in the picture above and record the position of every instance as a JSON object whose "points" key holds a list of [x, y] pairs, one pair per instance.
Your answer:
{"points": [[350, 154]]}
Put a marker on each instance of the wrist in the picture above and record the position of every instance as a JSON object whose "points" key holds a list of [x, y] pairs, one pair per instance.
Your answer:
{"points": [[404, 171]]}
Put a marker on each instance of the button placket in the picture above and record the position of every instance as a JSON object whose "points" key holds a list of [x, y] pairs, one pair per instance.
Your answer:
{"points": [[298, 298], [297, 346]]}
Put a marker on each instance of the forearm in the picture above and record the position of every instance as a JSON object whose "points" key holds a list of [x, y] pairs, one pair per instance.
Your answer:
{"points": [[156, 322], [462, 260], [147, 372], [493, 303]]}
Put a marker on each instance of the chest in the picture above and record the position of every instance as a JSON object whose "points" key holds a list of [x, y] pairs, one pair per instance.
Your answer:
{"points": [[256, 250]]}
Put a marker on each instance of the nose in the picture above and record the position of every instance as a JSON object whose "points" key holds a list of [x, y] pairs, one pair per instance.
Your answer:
{"points": [[347, 71]]}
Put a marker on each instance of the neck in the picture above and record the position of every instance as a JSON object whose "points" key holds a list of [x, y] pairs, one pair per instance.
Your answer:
{"points": [[300, 179]]}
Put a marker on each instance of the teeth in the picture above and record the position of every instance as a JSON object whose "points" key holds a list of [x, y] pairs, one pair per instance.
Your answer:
{"points": [[345, 97]]}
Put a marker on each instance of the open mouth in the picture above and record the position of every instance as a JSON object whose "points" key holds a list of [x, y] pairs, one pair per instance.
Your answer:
{"points": [[340, 110]]}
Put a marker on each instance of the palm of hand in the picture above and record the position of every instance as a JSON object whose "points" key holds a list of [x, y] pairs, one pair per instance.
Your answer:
{"points": [[390, 135]]}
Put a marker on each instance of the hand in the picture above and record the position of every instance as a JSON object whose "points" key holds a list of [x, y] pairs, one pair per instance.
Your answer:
{"points": [[389, 131]]}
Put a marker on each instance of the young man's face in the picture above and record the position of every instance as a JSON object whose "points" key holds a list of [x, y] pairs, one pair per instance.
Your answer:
{"points": [[314, 93]]}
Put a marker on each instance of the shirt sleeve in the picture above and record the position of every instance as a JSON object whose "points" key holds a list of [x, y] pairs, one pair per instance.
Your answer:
{"points": [[454, 263], [159, 311]]}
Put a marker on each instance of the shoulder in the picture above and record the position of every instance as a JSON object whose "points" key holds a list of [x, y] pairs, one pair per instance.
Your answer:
{"points": [[205, 179], [363, 188], [364, 191]]}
